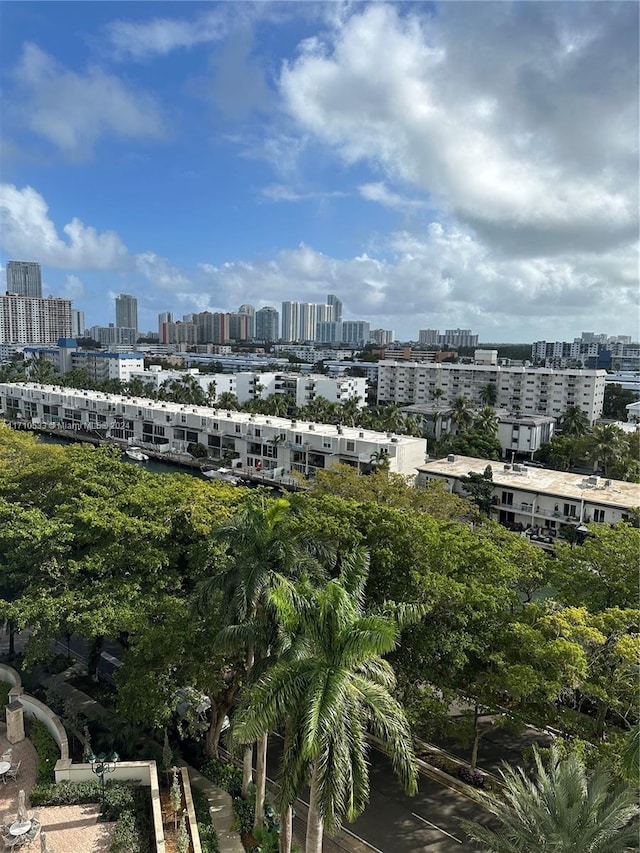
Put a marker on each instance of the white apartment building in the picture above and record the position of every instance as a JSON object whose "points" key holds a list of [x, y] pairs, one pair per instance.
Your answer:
{"points": [[523, 434], [98, 365], [276, 445], [528, 390], [539, 499], [112, 335], [30, 320]]}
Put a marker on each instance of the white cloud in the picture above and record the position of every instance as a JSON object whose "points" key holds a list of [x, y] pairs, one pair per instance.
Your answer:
{"points": [[160, 272], [282, 192], [161, 36], [485, 108], [73, 287], [27, 231], [74, 110], [445, 278], [380, 193]]}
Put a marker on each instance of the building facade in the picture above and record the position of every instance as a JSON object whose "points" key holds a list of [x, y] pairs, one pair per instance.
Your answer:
{"points": [[430, 337], [267, 324], [250, 312], [539, 499], [127, 311], [24, 278], [28, 320], [336, 307], [276, 445], [527, 390], [111, 335]]}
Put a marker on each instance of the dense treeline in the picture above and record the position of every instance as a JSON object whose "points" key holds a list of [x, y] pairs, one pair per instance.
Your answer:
{"points": [[363, 605]]}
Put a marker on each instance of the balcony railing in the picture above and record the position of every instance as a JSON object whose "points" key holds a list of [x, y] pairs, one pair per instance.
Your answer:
{"points": [[529, 509]]}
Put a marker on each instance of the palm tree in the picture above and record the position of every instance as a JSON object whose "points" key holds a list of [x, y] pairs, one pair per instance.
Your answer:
{"points": [[489, 394], [42, 371], [227, 400], [560, 809], [334, 692], [487, 420], [574, 422], [264, 551], [351, 411], [462, 413], [607, 444]]}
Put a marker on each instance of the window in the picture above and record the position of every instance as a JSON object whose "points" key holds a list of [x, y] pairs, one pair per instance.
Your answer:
{"points": [[298, 439], [351, 446], [237, 427], [507, 498], [598, 515], [570, 510]]}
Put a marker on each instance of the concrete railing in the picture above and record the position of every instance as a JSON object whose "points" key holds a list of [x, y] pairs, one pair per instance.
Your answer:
{"points": [[34, 708], [9, 675], [144, 772], [191, 812]]}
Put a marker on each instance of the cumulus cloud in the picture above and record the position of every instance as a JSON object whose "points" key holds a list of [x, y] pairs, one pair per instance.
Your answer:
{"points": [[441, 279], [27, 231], [160, 272], [73, 110], [518, 119]]}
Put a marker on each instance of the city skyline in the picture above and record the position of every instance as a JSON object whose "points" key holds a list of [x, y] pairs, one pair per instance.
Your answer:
{"points": [[205, 156]]}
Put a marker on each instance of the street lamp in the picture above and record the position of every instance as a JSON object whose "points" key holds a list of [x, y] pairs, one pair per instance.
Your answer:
{"points": [[101, 764]]}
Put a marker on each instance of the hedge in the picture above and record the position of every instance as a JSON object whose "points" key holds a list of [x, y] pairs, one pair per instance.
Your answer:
{"points": [[125, 803], [47, 749], [208, 836]]}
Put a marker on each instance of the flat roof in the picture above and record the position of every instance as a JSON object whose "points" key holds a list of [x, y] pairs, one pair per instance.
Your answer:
{"points": [[209, 412], [544, 480]]}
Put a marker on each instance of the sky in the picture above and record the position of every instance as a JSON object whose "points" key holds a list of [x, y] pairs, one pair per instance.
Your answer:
{"points": [[435, 165]]}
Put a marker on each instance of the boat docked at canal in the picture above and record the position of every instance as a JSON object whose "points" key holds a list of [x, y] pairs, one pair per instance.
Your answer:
{"points": [[136, 454], [224, 474]]}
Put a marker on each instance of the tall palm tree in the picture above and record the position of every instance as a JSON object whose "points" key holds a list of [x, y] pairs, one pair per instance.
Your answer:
{"points": [[487, 420], [607, 444], [350, 411], [334, 692], [263, 551], [489, 394], [462, 413], [560, 809], [574, 422]]}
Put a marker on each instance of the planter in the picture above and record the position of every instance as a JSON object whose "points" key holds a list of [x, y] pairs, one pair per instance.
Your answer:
{"points": [[178, 815]]}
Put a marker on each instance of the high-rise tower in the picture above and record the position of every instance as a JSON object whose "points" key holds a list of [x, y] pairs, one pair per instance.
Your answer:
{"points": [[24, 278], [336, 306], [127, 311]]}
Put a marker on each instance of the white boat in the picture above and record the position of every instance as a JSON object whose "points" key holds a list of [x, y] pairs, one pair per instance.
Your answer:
{"points": [[136, 454], [224, 474]]}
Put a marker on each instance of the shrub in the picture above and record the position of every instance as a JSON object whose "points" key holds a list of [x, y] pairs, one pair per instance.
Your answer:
{"points": [[471, 777], [224, 775], [4, 694], [125, 803], [47, 749], [208, 836], [244, 813]]}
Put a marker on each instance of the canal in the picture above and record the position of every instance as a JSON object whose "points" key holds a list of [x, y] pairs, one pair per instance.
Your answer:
{"points": [[154, 466]]}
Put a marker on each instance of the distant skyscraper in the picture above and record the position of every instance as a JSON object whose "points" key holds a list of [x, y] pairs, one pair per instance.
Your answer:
{"points": [[431, 337], [355, 332], [77, 323], [306, 322], [127, 311], [290, 321], [382, 336], [267, 322], [165, 317], [24, 278], [250, 311], [336, 306]]}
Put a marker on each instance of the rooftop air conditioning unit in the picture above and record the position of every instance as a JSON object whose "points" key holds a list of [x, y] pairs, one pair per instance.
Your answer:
{"points": [[395, 440], [451, 457], [360, 435], [592, 481], [507, 467], [312, 426], [608, 483], [228, 414]]}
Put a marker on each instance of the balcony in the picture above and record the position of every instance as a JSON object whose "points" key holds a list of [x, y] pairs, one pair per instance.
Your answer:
{"points": [[528, 509]]}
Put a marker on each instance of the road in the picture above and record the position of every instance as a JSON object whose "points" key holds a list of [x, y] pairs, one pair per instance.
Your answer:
{"points": [[393, 822], [396, 823]]}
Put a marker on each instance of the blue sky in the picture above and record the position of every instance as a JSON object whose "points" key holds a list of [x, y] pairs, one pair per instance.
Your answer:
{"points": [[435, 165]]}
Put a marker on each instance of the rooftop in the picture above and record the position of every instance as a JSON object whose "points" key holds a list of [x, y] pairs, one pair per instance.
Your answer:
{"points": [[354, 433], [543, 480]]}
